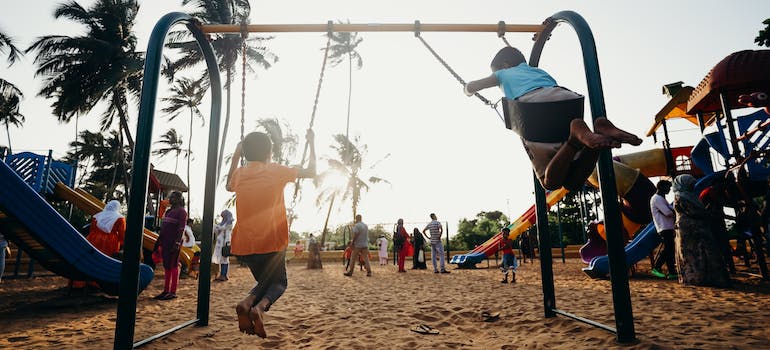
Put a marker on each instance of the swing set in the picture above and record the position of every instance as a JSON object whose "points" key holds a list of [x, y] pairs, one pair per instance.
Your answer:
{"points": [[126, 313]]}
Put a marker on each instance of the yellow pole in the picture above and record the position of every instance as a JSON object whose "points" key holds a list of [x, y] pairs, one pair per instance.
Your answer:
{"points": [[371, 27]]}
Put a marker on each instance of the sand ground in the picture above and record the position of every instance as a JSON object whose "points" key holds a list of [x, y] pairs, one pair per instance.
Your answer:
{"points": [[322, 309]]}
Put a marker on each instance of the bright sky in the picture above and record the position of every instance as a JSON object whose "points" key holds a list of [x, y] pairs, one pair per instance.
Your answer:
{"points": [[449, 154]]}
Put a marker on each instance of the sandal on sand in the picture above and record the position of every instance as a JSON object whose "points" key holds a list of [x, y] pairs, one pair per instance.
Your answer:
{"points": [[424, 329], [490, 316]]}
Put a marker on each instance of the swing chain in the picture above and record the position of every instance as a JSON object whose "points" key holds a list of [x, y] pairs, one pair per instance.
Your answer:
{"points": [[501, 32], [244, 36], [452, 71], [315, 107]]}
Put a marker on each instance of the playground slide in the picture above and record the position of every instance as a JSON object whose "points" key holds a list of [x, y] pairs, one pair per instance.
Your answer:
{"points": [[491, 246], [643, 243], [92, 205], [641, 246], [31, 223]]}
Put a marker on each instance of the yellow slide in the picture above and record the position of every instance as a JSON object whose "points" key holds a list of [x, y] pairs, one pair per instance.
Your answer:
{"points": [[92, 205]]}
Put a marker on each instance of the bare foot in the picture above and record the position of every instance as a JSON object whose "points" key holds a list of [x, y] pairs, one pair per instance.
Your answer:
{"points": [[255, 315], [244, 321], [605, 127], [580, 131]]}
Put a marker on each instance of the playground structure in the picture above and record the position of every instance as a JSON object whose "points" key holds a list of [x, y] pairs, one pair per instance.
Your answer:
{"points": [[127, 303], [30, 222]]}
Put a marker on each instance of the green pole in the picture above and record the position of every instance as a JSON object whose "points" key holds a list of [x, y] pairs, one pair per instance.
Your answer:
{"points": [[621, 294], [129, 284], [546, 259]]}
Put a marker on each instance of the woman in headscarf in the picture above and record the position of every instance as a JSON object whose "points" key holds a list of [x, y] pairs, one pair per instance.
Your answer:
{"points": [[223, 231], [418, 258], [698, 256], [170, 241], [106, 233], [108, 229]]}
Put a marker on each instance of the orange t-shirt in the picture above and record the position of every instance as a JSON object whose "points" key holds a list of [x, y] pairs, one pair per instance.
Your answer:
{"points": [[259, 206]]}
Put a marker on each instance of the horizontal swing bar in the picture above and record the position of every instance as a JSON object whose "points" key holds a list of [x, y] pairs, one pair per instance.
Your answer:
{"points": [[372, 27]]}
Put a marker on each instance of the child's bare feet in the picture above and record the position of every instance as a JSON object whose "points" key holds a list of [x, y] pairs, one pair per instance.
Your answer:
{"points": [[580, 131], [605, 127], [255, 314], [244, 320]]}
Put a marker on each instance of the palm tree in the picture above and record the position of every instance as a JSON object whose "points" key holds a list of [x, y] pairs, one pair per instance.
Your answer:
{"points": [[6, 43], [9, 114], [345, 45], [227, 47], [95, 154], [763, 38], [172, 144], [186, 93], [99, 66], [350, 166]]}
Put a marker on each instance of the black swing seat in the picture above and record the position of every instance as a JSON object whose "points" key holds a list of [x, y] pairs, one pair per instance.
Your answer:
{"points": [[542, 121]]}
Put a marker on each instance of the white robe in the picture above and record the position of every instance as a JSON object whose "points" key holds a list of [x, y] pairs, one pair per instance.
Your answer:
{"points": [[383, 247]]}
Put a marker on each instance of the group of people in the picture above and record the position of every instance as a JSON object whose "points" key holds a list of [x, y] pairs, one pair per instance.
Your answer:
{"points": [[404, 243]]}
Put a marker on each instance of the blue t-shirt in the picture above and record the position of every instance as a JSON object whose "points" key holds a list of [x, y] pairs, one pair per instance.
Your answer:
{"points": [[519, 80]]}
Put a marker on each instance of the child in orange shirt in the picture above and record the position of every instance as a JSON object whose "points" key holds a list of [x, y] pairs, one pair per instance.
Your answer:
{"points": [[261, 234]]}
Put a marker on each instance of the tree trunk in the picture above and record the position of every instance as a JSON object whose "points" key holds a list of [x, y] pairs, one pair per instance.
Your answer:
{"points": [[326, 222], [7, 132], [189, 156], [350, 94], [227, 124]]}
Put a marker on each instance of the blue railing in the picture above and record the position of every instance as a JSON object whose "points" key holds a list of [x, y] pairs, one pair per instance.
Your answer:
{"points": [[41, 172]]}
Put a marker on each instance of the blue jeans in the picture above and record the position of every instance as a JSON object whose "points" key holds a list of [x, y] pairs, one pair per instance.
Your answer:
{"points": [[437, 251], [3, 244]]}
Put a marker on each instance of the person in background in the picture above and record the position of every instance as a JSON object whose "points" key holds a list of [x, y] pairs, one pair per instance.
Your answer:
{"points": [[223, 232], [436, 247], [170, 242], [106, 233], [188, 241], [404, 247], [382, 253], [663, 216], [360, 247], [418, 258], [298, 249], [346, 254], [3, 250], [509, 259]]}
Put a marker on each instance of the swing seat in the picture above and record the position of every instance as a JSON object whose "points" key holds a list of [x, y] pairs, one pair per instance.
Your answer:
{"points": [[542, 121]]}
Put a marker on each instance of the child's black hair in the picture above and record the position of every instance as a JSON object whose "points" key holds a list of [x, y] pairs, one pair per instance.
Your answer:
{"points": [[507, 57], [256, 146]]}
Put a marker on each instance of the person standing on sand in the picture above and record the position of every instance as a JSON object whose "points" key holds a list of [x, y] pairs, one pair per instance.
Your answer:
{"points": [[360, 245], [382, 243], [436, 248], [170, 242], [405, 248], [663, 215], [418, 258], [223, 236], [261, 234]]}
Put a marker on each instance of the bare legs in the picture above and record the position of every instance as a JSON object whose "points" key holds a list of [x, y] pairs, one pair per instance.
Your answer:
{"points": [[566, 170]]}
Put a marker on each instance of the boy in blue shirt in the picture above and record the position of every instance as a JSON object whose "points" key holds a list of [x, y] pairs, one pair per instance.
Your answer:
{"points": [[548, 117]]}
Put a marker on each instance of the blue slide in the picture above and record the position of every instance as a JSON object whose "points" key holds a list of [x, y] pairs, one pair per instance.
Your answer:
{"points": [[27, 220], [641, 246], [644, 242]]}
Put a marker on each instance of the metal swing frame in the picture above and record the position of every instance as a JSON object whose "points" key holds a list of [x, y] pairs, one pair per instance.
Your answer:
{"points": [[126, 312]]}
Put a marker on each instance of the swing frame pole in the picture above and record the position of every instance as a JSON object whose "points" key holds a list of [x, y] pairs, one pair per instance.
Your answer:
{"points": [[372, 27], [621, 294]]}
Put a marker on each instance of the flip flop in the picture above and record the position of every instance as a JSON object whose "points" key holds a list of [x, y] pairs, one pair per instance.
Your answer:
{"points": [[490, 316], [424, 329]]}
